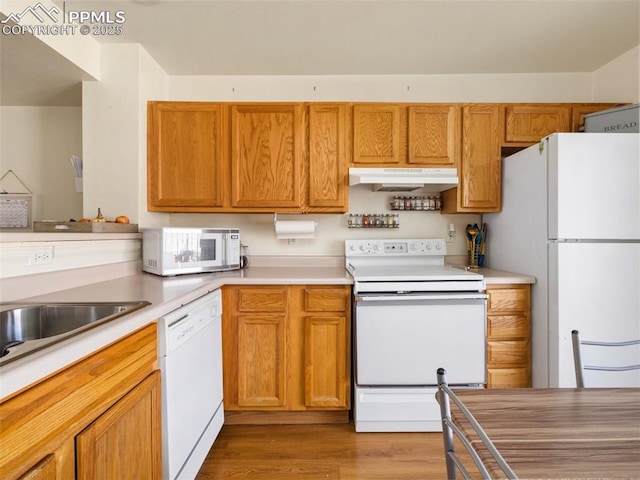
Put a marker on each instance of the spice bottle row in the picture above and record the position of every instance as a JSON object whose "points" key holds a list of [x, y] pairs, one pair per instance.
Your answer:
{"points": [[424, 203], [377, 220]]}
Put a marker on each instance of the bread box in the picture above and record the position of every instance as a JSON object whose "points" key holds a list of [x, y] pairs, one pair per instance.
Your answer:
{"points": [[616, 120]]}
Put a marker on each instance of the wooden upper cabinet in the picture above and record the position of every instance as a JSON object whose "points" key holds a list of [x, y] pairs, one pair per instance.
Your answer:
{"points": [[327, 179], [527, 124], [266, 155], [578, 113], [434, 135], [185, 156], [479, 172], [376, 134]]}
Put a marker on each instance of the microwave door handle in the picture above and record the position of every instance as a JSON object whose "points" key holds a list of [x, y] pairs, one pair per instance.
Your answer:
{"points": [[224, 247]]}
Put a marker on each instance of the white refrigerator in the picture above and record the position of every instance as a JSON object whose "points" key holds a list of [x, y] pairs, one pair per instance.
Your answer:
{"points": [[571, 218]]}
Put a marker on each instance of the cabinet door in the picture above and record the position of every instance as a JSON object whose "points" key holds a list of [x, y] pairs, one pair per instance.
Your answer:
{"points": [[58, 465], [480, 163], [326, 361], [261, 360], [376, 134], [326, 316], [434, 135], [253, 345], [125, 441], [45, 469], [185, 156], [527, 124], [266, 155], [328, 186]]}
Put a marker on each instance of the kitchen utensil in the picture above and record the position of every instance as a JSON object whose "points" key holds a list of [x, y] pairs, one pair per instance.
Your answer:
{"points": [[472, 232], [483, 244]]}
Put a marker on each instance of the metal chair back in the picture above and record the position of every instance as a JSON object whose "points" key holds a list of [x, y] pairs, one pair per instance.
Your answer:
{"points": [[598, 364], [451, 430]]}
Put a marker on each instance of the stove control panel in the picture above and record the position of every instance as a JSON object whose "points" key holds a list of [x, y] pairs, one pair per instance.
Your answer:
{"points": [[396, 247]]}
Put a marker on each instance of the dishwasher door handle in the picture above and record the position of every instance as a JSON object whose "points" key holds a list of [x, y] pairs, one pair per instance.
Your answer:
{"points": [[420, 297], [175, 323]]}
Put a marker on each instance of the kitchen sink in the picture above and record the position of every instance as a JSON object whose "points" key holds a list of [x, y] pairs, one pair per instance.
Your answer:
{"points": [[30, 327]]}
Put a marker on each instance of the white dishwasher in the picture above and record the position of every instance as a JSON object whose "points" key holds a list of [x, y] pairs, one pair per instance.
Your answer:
{"points": [[190, 357]]}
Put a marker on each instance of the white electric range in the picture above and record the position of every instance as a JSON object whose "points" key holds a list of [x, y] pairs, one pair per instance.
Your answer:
{"points": [[412, 315]]}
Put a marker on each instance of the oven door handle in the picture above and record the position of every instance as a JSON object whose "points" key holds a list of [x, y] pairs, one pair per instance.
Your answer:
{"points": [[412, 298]]}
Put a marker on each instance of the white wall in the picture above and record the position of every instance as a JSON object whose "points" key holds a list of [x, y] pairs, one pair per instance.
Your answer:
{"points": [[37, 144], [115, 138], [619, 80], [563, 87], [153, 85]]}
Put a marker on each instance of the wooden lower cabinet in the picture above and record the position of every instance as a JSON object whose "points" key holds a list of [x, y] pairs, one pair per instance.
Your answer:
{"points": [[126, 440], [509, 336], [98, 418], [286, 348]]}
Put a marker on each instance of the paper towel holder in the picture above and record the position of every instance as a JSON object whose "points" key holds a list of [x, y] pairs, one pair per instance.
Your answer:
{"points": [[306, 231], [275, 217]]}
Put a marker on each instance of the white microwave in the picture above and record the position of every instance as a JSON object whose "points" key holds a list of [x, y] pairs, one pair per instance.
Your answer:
{"points": [[177, 251]]}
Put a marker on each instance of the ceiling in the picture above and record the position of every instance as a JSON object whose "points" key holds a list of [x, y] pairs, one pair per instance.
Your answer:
{"points": [[340, 37]]}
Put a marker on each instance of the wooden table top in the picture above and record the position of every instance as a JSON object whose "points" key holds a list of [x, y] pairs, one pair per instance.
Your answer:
{"points": [[559, 433]]}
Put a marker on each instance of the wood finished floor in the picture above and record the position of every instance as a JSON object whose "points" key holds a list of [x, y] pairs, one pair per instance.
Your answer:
{"points": [[334, 452]]}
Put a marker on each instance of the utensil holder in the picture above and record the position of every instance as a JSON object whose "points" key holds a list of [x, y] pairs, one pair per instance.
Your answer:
{"points": [[472, 254]]}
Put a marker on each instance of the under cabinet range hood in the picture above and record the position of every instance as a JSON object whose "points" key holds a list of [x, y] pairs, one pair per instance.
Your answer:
{"points": [[404, 179]]}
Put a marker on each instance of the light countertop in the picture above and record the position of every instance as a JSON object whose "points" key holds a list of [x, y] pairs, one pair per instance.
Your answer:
{"points": [[493, 277], [164, 294]]}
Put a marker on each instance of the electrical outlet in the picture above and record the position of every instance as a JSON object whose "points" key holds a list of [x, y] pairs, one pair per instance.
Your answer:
{"points": [[451, 233], [41, 256]]}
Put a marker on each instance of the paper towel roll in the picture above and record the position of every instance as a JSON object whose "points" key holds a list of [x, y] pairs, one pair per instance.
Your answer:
{"points": [[293, 229]]}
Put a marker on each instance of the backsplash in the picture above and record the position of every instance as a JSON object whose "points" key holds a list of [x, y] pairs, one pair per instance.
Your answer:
{"points": [[40, 263], [31, 257], [258, 233]]}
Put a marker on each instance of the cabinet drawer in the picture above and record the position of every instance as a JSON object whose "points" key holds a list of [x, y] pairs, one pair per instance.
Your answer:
{"points": [[262, 299], [508, 300], [325, 300], [508, 377], [503, 326], [508, 352]]}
